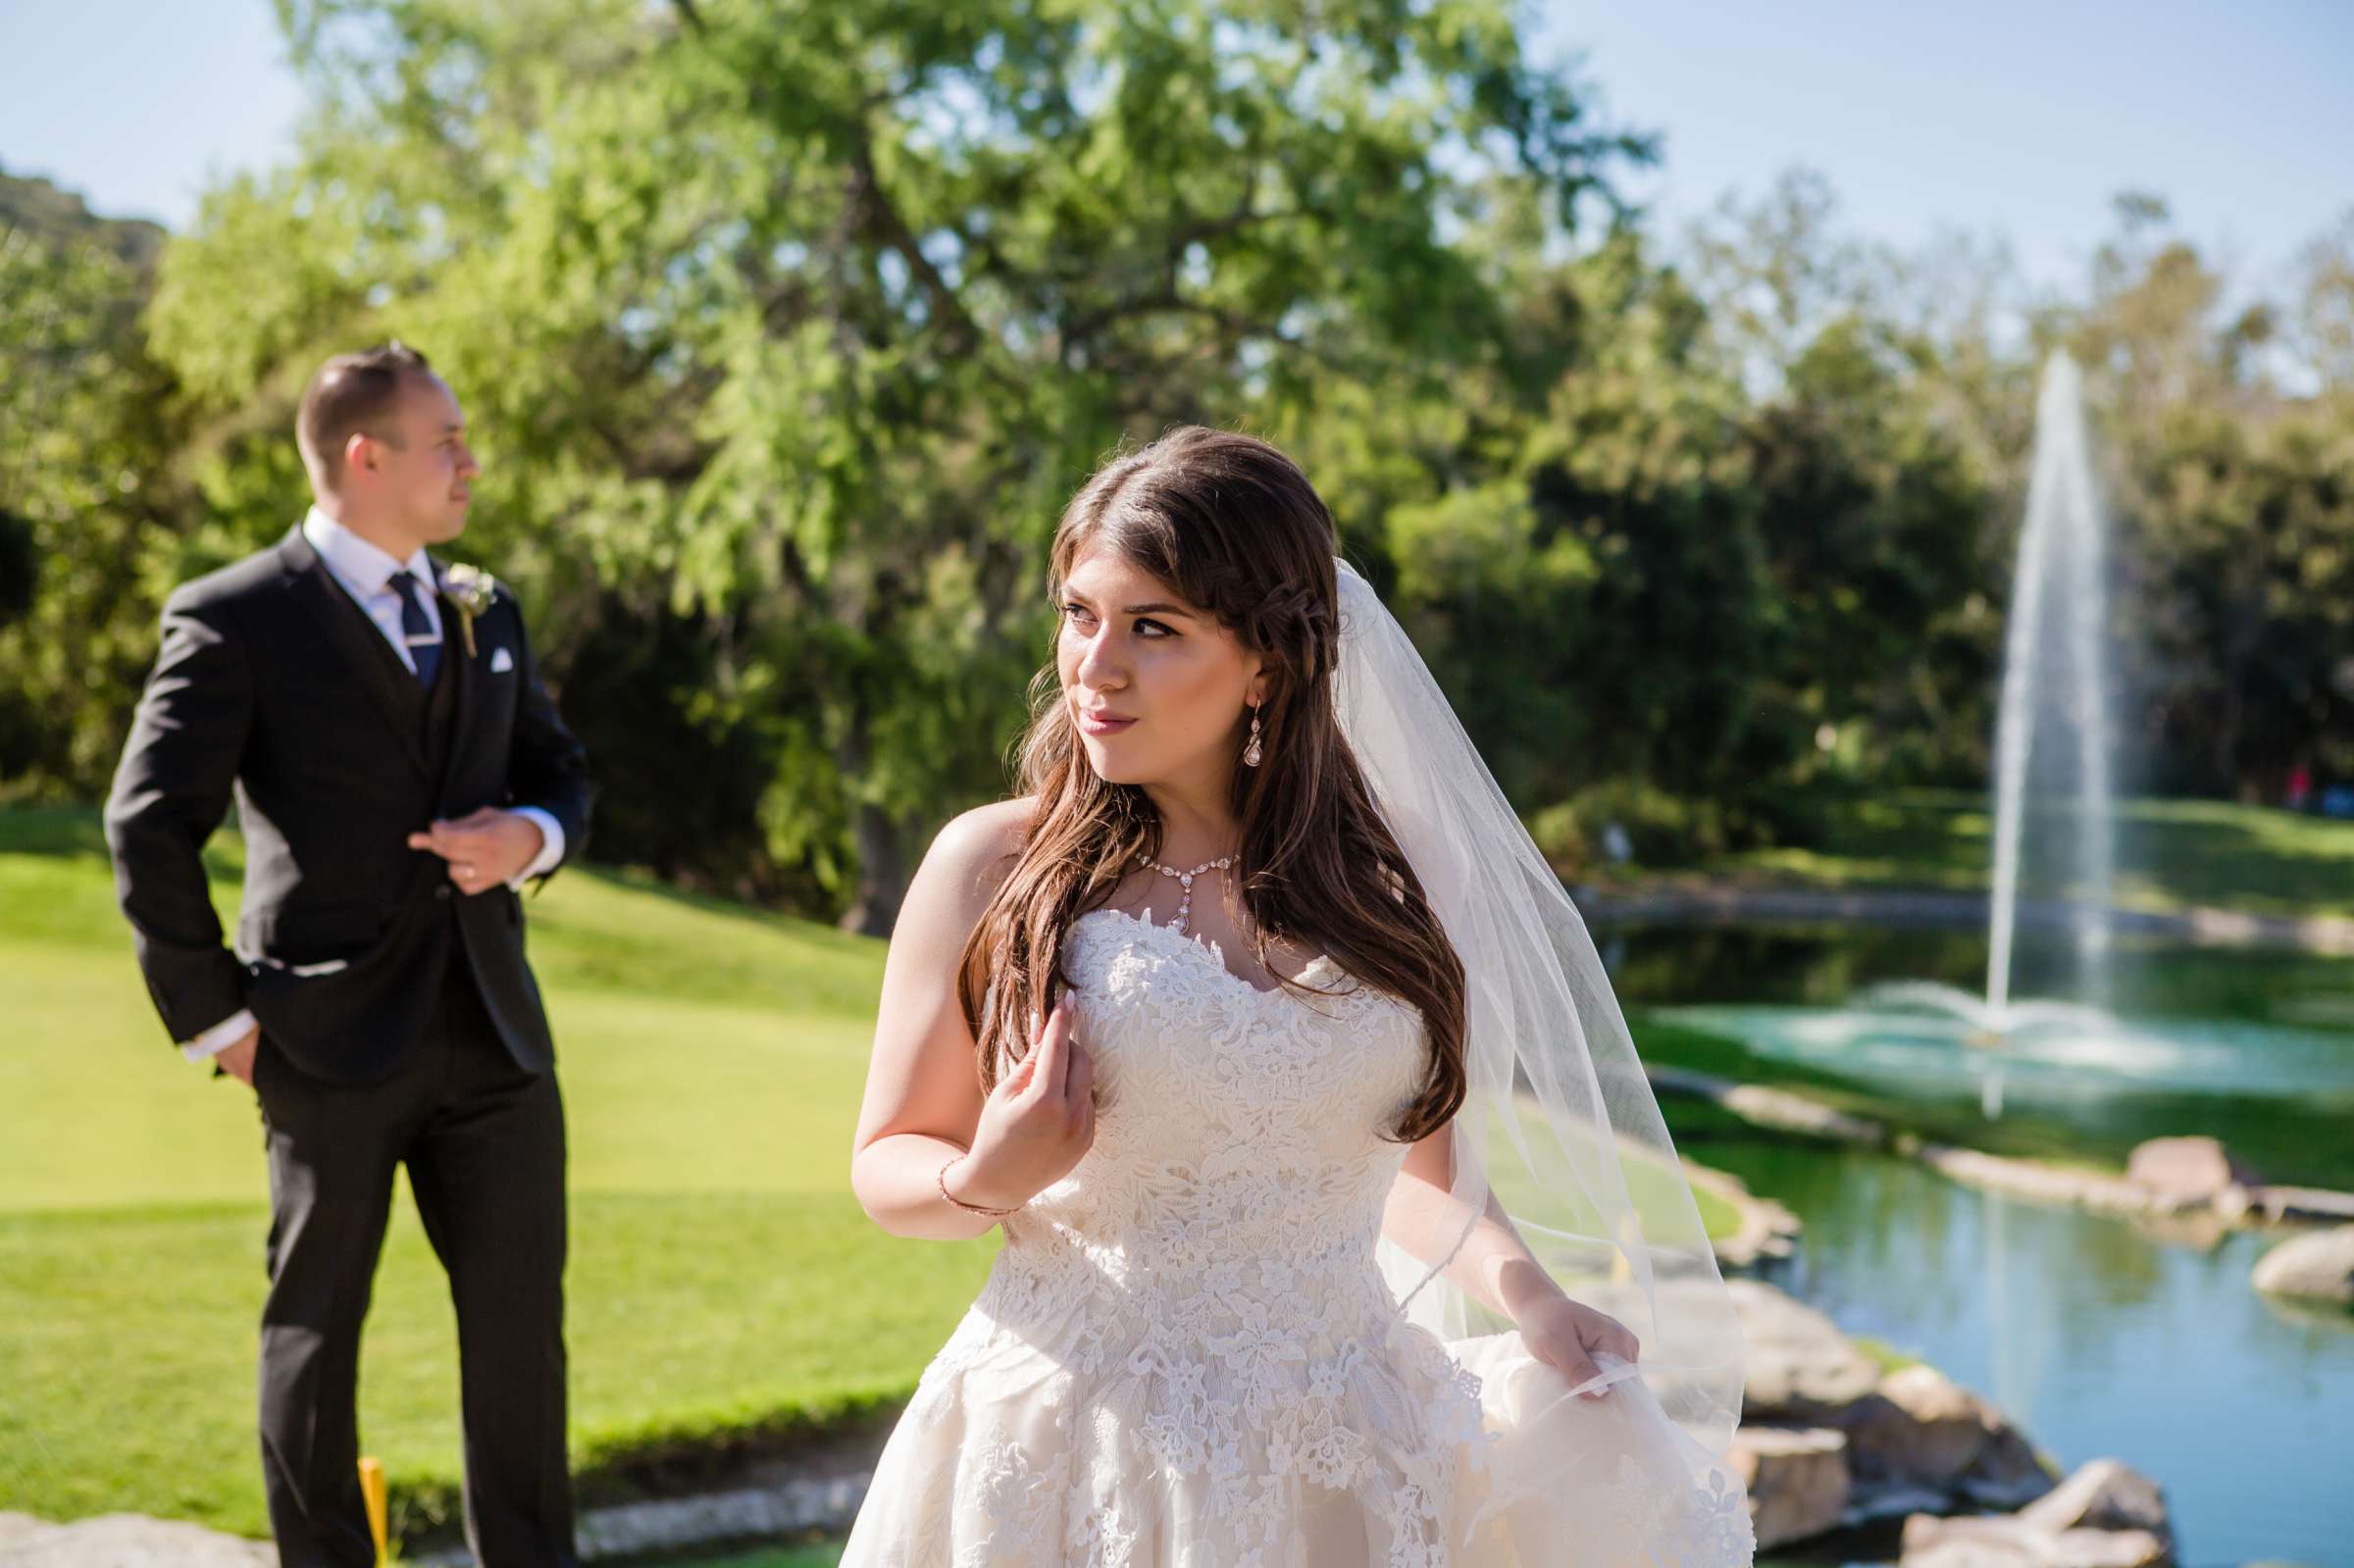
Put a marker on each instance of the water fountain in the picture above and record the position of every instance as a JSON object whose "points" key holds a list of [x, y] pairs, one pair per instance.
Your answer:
{"points": [[2062, 577], [2054, 869], [2055, 694], [2071, 1310]]}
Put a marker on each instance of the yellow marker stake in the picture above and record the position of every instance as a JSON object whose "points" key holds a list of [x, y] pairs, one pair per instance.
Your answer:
{"points": [[372, 1486]]}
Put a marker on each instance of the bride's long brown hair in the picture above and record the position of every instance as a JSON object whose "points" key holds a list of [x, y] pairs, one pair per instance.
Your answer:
{"points": [[1235, 527]]}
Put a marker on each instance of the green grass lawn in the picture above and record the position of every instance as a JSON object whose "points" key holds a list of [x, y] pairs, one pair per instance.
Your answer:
{"points": [[2171, 854], [725, 1289], [723, 1280]]}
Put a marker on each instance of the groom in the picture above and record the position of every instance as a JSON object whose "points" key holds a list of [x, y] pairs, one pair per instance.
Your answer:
{"points": [[398, 772]]}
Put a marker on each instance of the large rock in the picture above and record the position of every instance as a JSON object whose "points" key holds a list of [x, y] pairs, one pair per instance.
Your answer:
{"points": [[2008, 1472], [1919, 1431], [124, 1540], [2186, 1172], [2319, 1266], [1916, 1426], [1975, 1541], [2104, 1495], [1797, 1479], [1801, 1367]]}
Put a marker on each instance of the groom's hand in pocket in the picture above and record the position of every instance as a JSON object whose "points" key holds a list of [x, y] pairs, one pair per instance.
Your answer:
{"points": [[1037, 1123]]}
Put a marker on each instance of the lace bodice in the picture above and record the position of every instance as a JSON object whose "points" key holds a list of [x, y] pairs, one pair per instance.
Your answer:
{"points": [[1186, 1352], [1207, 1269], [1233, 1124]]}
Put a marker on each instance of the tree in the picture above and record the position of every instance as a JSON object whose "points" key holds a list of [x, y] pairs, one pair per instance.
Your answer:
{"points": [[92, 519], [2235, 498], [794, 325]]}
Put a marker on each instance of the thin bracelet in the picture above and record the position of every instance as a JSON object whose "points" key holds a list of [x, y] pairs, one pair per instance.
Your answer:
{"points": [[941, 1180]]}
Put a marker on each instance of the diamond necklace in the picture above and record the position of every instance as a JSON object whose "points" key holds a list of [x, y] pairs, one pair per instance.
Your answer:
{"points": [[1185, 881]]}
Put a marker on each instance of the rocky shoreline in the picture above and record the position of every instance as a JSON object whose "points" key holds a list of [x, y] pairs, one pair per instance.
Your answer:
{"points": [[2166, 1177], [1830, 1440]]}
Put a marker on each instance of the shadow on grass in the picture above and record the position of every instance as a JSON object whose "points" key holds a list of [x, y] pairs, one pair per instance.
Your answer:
{"points": [[816, 1552], [76, 833], [683, 1459], [2170, 853]]}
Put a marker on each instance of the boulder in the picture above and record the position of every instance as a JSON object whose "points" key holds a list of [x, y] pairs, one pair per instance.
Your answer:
{"points": [[2186, 1172], [1797, 1479], [1977, 1541], [2007, 1473], [2104, 1495], [1801, 1367], [1916, 1426], [125, 1541], [2319, 1266]]}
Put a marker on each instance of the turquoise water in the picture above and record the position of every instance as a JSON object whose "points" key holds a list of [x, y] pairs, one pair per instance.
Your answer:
{"points": [[2101, 1337]]}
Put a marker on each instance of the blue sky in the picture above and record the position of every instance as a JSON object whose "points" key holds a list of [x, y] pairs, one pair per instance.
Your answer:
{"points": [[1995, 116]]}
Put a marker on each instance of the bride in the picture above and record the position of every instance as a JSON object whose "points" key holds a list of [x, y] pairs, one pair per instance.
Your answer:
{"points": [[1263, 1031]]}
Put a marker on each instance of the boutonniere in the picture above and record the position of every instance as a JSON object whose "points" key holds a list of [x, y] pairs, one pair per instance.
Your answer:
{"points": [[470, 592]]}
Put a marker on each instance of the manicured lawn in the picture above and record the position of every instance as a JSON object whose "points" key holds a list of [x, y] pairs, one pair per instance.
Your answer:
{"points": [[2171, 854], [722, 1279]]}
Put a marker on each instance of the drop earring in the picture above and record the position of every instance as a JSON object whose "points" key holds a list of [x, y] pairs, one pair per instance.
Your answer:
{"points": [[1251, 752]]}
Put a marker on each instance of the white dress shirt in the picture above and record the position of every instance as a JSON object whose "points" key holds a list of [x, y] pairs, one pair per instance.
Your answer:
{"points": [[366, 574]]}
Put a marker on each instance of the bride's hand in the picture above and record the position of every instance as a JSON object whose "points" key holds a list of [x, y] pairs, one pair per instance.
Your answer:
{"points": [[1035, 1125], [1569, 1334]]}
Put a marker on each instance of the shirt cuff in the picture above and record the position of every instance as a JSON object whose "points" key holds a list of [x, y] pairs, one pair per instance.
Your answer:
{"points": [[219, 1037], [551, 846]]}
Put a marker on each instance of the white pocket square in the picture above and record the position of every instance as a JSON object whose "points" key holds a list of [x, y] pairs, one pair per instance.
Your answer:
{"points": [[501, 660]]}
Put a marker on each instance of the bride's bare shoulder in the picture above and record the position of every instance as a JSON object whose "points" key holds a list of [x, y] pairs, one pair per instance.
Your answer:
{"points": [[974, 852]]}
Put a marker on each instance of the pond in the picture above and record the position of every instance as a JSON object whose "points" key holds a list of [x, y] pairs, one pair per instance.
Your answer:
{"points": [[2100, 1336]]}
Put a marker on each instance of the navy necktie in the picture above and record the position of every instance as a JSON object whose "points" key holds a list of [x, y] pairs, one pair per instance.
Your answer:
{"points": [[425, 644]]}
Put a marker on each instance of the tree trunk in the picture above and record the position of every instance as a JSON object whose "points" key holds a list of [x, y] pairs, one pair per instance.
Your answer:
{"points": [[882, 873]]}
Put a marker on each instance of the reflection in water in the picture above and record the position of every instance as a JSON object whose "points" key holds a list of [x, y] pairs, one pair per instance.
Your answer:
{"points": [[2098, 1339]]}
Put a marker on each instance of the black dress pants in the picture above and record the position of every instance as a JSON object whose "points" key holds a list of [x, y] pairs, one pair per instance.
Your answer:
{"points": [[484, 1141]]}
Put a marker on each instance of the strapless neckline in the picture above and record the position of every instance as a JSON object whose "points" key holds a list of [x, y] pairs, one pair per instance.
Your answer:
{"points": [[1208, 951]]}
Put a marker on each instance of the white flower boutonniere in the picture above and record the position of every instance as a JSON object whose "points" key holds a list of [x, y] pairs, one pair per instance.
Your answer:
{"points": [[470, 592]]}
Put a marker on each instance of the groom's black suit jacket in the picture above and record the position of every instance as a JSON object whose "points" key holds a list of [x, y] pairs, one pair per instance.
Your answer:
{"points": [[273, 682]]}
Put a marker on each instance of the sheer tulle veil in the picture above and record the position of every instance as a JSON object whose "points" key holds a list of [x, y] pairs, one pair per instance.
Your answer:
{"points": [[1560, 1126]]}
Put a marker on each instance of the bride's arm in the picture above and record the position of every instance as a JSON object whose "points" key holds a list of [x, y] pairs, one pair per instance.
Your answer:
{"points": [[932, 1151], [1495, 1268], [923, 1102]]}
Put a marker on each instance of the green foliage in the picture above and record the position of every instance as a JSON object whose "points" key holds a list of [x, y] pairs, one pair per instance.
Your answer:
{"points": [[786, 332], [788, 329], [85, 430], [2242, 500]]}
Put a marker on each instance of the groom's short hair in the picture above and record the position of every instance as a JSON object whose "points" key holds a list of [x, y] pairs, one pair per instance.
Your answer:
{"points": [[351, 393]]}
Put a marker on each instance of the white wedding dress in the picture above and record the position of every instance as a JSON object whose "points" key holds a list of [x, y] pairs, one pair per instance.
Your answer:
{"points": [[1186, 1355]]}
